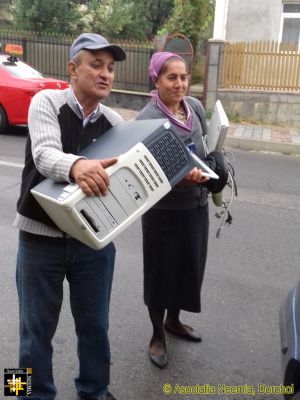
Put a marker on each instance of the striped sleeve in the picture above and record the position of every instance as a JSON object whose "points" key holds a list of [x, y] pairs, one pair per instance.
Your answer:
{"points": [[45, 135], [113, 117]]}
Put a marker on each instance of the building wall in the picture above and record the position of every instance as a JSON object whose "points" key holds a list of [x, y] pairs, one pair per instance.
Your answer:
{"points": [[253, 20], [263, 107]]}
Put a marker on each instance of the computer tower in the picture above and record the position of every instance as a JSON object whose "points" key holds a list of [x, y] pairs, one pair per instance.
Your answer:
{"points": [[152, 159]]}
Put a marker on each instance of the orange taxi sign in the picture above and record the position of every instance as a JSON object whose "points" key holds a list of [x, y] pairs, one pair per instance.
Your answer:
{"points": [[15, 49]]}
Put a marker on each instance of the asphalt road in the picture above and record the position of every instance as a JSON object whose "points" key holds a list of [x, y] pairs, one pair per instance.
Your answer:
{"points": [[250, 270]]}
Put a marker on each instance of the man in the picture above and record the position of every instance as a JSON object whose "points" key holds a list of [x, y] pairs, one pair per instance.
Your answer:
{"points": [[61, 123]]}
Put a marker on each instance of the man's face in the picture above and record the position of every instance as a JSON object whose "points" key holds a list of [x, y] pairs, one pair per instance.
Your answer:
{"points": [[92, 74]]}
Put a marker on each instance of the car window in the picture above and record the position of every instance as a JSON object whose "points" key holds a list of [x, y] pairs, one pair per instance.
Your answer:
{"points": [[21, 70]]}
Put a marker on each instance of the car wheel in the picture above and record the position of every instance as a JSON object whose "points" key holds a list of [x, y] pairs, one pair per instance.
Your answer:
{"points": [[3, 120]]}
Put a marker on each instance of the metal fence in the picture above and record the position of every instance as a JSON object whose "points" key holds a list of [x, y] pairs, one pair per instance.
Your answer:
{"points": [[49, 54], [260, 66]]}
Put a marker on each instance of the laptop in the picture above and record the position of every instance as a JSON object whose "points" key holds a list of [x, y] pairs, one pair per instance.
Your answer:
{"points": [[217, 129]]}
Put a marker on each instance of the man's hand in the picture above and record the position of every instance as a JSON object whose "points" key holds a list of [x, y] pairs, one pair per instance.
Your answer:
{"points": [[194, 177], [90, 175]]}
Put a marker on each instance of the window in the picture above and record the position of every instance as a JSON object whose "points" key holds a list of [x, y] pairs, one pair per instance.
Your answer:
{"points": [[290, 24]]}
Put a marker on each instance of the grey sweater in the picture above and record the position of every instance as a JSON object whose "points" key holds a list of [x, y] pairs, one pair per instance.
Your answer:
{"points": [[192, 196]]}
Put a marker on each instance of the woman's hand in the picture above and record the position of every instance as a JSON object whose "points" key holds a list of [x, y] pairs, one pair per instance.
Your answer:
{"points": [[194, 177]]}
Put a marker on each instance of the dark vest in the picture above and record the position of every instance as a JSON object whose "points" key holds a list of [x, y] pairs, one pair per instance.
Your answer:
{"points": [[74, 138]]}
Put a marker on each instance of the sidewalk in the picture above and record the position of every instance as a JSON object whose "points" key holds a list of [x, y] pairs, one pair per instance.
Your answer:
{"points": [[252, 137], [264, 138]]}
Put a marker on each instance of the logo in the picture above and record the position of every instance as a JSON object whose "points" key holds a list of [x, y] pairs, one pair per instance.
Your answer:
{"points": [[17, 382]]}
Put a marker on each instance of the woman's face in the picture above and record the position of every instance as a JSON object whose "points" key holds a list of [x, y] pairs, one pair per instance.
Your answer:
{"points": [[172, 82]]}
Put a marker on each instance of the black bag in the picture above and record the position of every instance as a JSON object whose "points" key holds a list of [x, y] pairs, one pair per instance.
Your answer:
{"points": [[217, 161]]}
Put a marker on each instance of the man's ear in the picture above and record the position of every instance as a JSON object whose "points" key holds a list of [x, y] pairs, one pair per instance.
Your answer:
{"points": [[71, 69]]}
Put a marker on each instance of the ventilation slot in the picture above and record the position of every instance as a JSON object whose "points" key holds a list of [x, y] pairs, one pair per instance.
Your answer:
{"points": [[144, 177], [148, 173], [153, 169], [168, 152]]}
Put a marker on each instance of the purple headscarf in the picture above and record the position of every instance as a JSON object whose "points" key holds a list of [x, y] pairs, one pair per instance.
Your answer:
{"points": [[156, 63]]}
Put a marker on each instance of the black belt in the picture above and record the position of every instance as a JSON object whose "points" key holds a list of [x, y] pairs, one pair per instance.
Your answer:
{"points": [[42, 238]]}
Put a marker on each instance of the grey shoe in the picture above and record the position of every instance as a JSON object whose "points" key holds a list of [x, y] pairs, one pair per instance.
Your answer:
{"points": [[159, 361]]}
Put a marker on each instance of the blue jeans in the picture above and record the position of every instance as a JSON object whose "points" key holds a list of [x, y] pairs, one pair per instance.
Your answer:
{"points": [[42, 265]]}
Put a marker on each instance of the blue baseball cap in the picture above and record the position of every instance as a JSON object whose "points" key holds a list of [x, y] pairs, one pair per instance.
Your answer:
{"points": [[93, 41]]}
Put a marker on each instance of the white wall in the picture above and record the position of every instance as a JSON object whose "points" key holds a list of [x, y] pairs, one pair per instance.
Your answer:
{"points": [[220, 21], [250, 20]]}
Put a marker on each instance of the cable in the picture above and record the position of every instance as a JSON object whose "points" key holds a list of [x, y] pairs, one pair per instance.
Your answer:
{"points": [[224, 214]]}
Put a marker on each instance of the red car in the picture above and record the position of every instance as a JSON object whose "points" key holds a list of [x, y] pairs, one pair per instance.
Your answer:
{"points": [[18, 83]]}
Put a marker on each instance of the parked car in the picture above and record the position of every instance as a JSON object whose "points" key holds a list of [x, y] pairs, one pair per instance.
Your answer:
{"points": [[289, 321], [18, 84]]}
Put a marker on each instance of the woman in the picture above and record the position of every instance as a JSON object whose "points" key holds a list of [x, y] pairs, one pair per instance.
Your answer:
{"points": [[175, 230]]}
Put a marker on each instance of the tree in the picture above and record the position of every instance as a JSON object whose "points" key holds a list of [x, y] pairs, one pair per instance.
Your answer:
{"points": [[5, 15], [190, 18], [132, 19], [135, 19], [45, 16], [150, 16], [108, 17]]}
